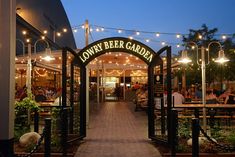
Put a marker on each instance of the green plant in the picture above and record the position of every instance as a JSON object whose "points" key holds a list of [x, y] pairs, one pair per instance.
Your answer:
{"points": [[182, 148], [231, 138], [184, 128], [55, 139], [22, 115], [217, 133]]}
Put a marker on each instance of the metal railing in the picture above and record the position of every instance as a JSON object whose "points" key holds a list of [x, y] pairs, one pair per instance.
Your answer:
{"points": [[196, 129]]}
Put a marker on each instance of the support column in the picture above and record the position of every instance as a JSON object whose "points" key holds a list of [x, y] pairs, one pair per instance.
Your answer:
{"points": [[29, 70], [7, 75], [87, 96], [183, 78], [124, 86], [98, 83]]}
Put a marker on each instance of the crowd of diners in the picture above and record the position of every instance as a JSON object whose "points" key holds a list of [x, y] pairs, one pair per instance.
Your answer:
{"points": [[40, 93], [213, 96], [192, 94]]}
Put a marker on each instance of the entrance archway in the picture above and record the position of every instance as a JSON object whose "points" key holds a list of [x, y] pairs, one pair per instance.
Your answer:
{"points": [[155, 85]]}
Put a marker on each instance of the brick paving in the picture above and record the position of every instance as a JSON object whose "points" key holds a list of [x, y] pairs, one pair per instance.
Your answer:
{"points": [[115, 130]]}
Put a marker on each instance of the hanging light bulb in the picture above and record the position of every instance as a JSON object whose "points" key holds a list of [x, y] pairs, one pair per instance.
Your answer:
{"points": [[178, 36], [224, 37], [221, 58], [48, 57], [184, 58]]}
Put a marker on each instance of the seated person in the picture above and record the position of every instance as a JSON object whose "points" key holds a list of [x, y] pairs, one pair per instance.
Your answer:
{"points": [[211, 97], [178, 98], [230, 99], [40, 96]]}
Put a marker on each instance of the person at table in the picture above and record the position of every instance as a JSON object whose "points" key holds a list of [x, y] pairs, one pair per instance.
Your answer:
{"points": [[211, 97], [178, 98], [226, 93], [40, 96], [198, 92], [230, 99]]}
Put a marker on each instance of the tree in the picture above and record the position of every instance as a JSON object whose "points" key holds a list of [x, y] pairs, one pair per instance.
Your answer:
{"points": [[214, 72]]}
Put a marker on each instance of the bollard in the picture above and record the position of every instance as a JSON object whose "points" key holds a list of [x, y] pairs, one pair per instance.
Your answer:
{"points": [[195, 135], [36, 121], [174, 124], [64, 130], [47, 144], [196, 113]]}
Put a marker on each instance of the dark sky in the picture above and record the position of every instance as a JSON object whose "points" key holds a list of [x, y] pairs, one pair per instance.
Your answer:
{"points": [[170, 16]]}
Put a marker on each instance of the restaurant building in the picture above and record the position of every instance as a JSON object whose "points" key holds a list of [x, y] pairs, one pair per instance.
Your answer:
{"points": [[20, 36], [107, 64]]}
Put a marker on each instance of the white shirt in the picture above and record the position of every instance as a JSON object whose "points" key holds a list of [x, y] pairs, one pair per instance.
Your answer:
{"points": [[178, 98]]}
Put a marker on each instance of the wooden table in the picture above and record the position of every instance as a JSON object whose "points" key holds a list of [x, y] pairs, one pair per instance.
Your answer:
{"points": [[212, 110], [221, 106]]}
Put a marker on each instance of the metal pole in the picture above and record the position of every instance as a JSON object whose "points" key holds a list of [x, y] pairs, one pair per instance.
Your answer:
{"points": [[98, 83], [195, 135], [102, 81], [203, 86], [124, 86], [184, 78], [36, 121], [87, 32], [47, 144], [174, 124], [29, 69]]}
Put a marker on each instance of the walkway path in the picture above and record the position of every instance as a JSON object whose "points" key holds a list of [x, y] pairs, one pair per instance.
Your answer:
{"points": [[115, 130]]}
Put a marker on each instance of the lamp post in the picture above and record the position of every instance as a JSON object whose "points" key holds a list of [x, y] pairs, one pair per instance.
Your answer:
{"points": [[48, 56], [221, 59]]}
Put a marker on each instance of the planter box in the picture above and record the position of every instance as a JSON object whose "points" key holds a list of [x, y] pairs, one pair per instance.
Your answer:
{"points": [[202, 154], [42, 154]]}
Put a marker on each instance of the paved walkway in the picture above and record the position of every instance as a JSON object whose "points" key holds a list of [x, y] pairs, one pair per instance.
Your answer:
{"points": [[115, 130]]}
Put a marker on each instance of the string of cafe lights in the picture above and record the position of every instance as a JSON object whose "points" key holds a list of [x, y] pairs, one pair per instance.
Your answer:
{"points": [[136, 34]]}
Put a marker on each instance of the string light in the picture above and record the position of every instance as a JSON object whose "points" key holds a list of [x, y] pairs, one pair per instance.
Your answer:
{"points": [[200, 36], [58, 34], [224, 37], [65, 30], [45, 32], [178, 36], [98, 28], [24, 32]]}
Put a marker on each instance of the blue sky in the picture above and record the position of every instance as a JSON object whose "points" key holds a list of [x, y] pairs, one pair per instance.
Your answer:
{"points": [[171, 16]]}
